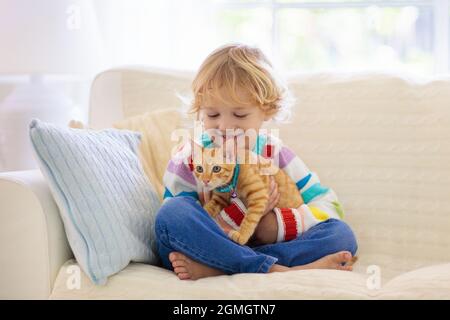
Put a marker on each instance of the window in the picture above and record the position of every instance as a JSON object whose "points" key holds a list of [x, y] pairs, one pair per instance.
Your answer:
{"points": [[341, 35]]}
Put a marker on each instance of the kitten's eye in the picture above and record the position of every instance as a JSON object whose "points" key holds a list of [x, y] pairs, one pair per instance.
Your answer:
{"points": [[215, 115], [216, 169], [199, 169], [241, 116]]}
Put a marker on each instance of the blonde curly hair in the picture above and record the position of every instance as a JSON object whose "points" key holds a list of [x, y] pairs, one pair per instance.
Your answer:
{"points": [[239, 66]]}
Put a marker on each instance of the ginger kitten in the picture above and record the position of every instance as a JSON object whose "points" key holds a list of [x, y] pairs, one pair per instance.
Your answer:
{"points": [[248, 181]]}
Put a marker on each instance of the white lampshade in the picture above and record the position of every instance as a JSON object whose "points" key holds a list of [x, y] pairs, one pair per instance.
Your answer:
{"points": [[49, 37], [39, 38]]}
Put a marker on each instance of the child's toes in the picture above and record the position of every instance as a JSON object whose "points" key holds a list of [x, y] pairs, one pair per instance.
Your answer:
{"points": [[184, 276], [180, 270], [172, 256], [178, 263], [345, 268], [175, 256]]}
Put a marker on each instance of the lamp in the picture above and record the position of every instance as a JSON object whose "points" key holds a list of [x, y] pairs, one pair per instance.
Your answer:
{"points": [[41, 38]]}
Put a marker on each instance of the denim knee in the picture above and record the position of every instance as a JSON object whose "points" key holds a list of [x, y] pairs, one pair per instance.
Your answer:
{"points": [[174, 213], [345, 236], [337, 234]]}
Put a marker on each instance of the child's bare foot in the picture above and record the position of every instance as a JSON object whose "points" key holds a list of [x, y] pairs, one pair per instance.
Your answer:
{"points": [[341, 260], [186, 268]]}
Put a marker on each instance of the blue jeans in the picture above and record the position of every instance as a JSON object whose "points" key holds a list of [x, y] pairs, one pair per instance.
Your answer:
{"points": [[183, 225]]}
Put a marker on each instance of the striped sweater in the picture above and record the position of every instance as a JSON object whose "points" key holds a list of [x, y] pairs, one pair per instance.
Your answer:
{"points": [[320, 202]]}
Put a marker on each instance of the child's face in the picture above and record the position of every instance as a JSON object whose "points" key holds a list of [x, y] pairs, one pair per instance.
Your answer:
{"points": [[217, 114]]}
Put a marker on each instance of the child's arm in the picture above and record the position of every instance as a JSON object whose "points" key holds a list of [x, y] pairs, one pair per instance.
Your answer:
{"points": [[320, 202], [178, 179]]}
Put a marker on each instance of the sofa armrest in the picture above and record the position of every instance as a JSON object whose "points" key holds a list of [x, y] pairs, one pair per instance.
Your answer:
{"points": [[33, 243]]}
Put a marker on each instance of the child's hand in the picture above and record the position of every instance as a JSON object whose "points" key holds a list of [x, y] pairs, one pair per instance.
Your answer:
{"points": [[274, 196], [267, 230]]}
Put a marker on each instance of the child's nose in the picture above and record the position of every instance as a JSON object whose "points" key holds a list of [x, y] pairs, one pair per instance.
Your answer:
{"points": [[228, 129], [224, 125]]}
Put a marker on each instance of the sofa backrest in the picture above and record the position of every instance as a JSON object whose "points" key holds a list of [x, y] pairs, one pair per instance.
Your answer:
{"points": [[382, 142]]}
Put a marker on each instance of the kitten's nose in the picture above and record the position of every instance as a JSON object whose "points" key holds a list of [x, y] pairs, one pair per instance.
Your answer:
{"points": [[205, 182]]}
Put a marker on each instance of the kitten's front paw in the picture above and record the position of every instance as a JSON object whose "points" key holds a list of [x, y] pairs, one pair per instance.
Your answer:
{"points": [[237, 237]]}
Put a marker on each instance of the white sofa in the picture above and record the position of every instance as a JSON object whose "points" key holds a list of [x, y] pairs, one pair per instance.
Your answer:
{"points": [[382, 142]]}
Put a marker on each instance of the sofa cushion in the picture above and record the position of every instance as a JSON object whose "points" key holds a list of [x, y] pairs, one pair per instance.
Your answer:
{"points": [[134, 282], [425, 283], [156, 130], [106, 202]]}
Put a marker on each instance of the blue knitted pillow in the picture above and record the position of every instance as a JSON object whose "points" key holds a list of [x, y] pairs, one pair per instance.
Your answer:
{"points": [[106, 202]]}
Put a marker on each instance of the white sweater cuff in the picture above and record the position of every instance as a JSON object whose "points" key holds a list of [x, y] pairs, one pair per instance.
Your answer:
{"points": [[290, 224]]}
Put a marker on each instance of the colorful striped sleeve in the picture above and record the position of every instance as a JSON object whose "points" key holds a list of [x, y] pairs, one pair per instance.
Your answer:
{"points": [[178, 178], [320, 202]]}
